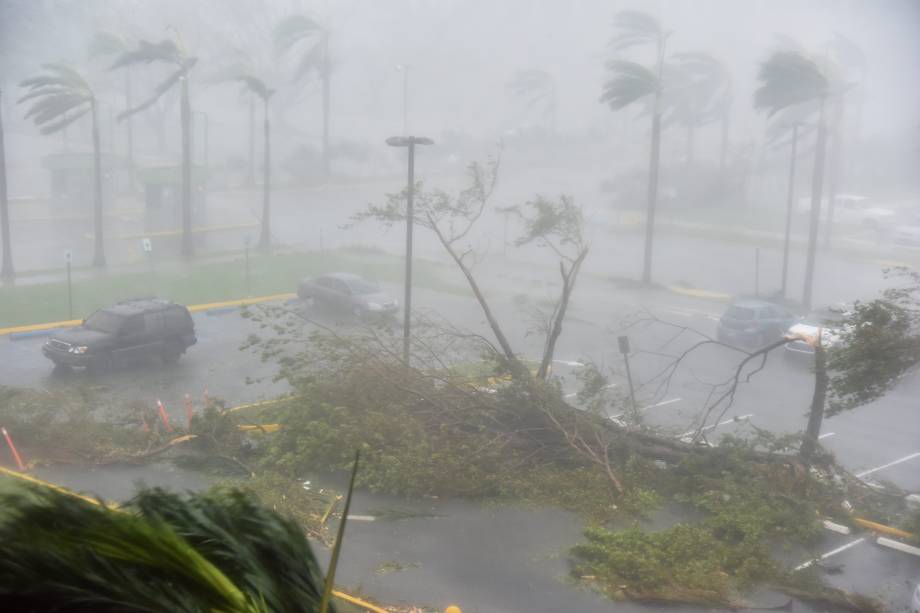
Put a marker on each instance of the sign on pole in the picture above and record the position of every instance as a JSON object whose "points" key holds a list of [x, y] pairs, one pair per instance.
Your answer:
{"points": [[148, 246]]}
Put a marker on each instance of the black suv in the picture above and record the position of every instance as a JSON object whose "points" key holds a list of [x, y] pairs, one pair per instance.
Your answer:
{"points": [[125, 331]]}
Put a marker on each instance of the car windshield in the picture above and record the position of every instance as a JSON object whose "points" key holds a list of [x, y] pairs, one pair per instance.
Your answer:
{"points": [[737, 312], [360, 286], [104, 321]]}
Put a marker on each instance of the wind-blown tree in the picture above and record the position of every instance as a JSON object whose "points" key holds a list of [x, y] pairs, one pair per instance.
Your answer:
{"points": [[536, 89], [631, 82], [109, 44], [790, 78], [6, 268], [258, 88], [168, 52], [62, 96], [879, 342], [306, 33]]}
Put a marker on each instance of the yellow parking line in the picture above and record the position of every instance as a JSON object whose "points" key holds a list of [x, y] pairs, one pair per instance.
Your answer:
{"points": [[699, 293], [193, 308]]}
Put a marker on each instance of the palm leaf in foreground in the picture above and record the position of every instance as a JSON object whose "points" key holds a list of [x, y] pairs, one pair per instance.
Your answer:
{"points": [[207, 552]]}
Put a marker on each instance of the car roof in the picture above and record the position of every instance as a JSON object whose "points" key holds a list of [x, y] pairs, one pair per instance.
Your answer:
{"points": [[135, 306], [342, 276]]}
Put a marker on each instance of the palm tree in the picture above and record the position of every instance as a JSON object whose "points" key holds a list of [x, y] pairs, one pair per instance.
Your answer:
{"points": [[168, 52], [6, 269], [790, 78], [631, 82], [218, 551], [63, 96], [536, 88], [257, 87], [289, 33], [109, 44]]}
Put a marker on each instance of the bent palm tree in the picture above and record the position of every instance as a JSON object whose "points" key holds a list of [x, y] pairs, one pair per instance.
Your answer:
{"points": [[168, 52], [63, 96], [258, 88], [289, 33], [535, 88], [631, 82], [788, 79]]}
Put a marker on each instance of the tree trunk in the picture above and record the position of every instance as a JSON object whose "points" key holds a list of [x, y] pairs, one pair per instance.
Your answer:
{"points": [[129, 130], [817, 183], [251, 166], [652, 195], [6, 271], [265, 238], [790, 199], [326, 78], [833, 170], [188, 247], [98, 249], [568, 284], [816, 413]]}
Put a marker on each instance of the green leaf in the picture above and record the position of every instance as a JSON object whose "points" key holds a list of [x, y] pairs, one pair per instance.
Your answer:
{"points": [[789, 78], [63, 123], [146, 52], [629, 83]]}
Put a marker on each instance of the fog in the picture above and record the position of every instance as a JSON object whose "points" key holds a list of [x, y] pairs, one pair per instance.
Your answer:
{"points": [[657, 213]]}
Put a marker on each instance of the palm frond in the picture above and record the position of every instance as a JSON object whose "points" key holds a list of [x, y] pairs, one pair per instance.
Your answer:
{"points": [[61, 550], [107, 43], [629, 82], [51, 128], [146, 53], [789, 78], [53, 106], [257, 86], [634, 28], [292, 29]]}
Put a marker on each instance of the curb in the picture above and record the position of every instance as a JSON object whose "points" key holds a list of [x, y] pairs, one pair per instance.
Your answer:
{"points": [[210, 308], [700, 293]]}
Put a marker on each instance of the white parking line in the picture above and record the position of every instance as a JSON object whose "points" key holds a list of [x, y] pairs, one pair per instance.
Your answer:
{"points": [[652, 406], [828, 435], [568, 362], [733, 420], [889, 464], [606, 387], [833, 552]]}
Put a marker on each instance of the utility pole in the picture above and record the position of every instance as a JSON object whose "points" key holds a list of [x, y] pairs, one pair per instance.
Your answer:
{"points": [[404, 68], [410, 142], [623, 343]]}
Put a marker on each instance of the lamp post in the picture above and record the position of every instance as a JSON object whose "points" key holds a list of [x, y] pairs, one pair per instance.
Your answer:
{"points": [[410, 142], [404, 68]]}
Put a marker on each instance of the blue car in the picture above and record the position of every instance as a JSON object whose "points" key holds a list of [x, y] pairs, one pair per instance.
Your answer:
{"points": [[753, 323]]}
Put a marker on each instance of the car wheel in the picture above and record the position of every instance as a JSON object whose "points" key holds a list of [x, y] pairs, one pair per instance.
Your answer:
{"points": [[102, 363]]}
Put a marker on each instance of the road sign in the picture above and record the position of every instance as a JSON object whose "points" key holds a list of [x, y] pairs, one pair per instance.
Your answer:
{"points": [[148, 246], [68, 256], [623, 342]]}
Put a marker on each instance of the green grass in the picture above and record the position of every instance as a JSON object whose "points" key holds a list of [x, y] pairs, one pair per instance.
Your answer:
{"points": [[206, 282]]}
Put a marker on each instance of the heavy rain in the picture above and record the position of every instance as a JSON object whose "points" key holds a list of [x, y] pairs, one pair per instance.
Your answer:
{"points": [[459, 305]]}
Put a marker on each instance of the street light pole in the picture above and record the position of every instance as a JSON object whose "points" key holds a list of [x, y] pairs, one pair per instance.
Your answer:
{"points": [[410, 142], [405, 70]]}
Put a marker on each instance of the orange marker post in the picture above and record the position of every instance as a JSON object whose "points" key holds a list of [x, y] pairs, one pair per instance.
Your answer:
{"points": [[16, 456], [189, 411], [164, 416]]}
